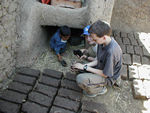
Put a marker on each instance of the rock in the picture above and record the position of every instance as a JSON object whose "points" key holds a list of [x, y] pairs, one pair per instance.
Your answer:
{"points": [[144, 72], [133, 72], [47, 90], [66, 103], [145, 60], [70, 94], [138, 89], [124, 74], [55, 109], [138, 50], [52, 73], [30, 107], [130, 49], [7, 107], [136, 59], [13, 96], [93, 107], [127, 59], [40, 98], [50, 81]]}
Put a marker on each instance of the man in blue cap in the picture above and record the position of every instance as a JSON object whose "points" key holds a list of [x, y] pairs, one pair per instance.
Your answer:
{"points": [[91, 46], [105, 69]]}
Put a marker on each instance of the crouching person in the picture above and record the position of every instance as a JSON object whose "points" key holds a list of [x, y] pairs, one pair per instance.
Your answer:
{"points": [[105, 70], [58, 42]]}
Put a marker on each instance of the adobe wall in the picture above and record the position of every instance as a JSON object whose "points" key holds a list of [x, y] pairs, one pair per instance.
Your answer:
{"points": [[8, 38], [131, 15]]}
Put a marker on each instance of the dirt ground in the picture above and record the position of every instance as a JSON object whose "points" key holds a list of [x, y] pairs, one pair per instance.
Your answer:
{"points": [[116, 100]]}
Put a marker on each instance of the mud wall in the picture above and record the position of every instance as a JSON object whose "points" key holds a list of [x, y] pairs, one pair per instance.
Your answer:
{"points": [[8, 37], [131, 15]]}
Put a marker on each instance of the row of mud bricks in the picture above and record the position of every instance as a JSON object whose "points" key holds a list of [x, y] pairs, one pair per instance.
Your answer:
{"points": [[136, 61], [49, 91]]}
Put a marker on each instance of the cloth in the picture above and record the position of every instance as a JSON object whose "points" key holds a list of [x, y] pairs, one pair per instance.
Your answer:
{"points": [[56, 43], [110, 59], [90, 82]]}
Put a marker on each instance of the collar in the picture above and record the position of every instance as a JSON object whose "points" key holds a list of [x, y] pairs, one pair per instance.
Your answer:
{"points": [[109, 45]]}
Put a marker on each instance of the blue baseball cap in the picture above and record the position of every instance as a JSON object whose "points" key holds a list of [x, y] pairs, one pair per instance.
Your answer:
{"points": [[85, 30]]}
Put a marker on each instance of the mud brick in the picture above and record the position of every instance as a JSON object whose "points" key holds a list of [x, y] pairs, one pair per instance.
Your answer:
{"points": [[55, 109], [136, 35], [93, 106], [136, 59], [28, 71], [70, 94], [138, 50], [130, 35], [50, 81], [70, 76], [70, 85], [123, 34], [140, 42], [144, 72], [25, 79], [124, 74], [127, 59], [116, 33], [133, 72], [40, 98], [130, 49], [146, 84], [30, 107], [23, 88], [87, 112], [123, 47], [52, 73], [66, 103], [119, 40], [126, 41], [7, 107], [145, 60], [138, 89], [146, 52], [132, 39], [13, 96], [47, 90]]}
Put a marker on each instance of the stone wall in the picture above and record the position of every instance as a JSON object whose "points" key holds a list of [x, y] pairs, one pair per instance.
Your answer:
{"points": [[131, 15], [8, 37]]}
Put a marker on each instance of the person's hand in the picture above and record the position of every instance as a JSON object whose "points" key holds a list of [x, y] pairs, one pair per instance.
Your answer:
{"points": [[83, 57], [78, 66], [59, 57], [82, 50]]}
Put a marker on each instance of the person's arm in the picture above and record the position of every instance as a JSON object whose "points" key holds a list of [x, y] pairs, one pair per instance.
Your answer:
{"points": [[89, 69], [93, 63], [59, 57], [96, 71], [90, 58]]}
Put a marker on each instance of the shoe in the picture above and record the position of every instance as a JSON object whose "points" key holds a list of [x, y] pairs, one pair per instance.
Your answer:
{"points": [[103, 91], [63, 63]]}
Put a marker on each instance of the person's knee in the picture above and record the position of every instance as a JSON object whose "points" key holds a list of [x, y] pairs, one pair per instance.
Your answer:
{"points": [[80, 79]]}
